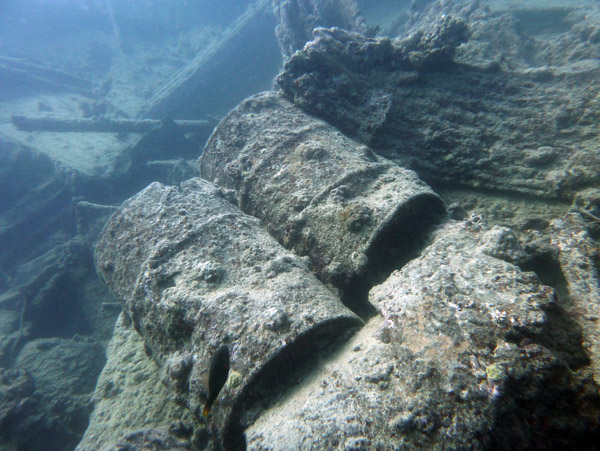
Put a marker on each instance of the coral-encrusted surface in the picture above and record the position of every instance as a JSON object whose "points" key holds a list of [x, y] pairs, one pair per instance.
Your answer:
{"points": [[356, 215], [531, 130], [456, 361], [130, 397], [194, 273]]}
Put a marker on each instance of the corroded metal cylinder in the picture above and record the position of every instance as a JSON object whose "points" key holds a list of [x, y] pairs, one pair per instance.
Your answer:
{"points": [[194, 273], [356, 215]]}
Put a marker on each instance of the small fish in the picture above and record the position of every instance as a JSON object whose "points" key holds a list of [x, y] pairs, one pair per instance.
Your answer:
{"points": [[217, 376]]}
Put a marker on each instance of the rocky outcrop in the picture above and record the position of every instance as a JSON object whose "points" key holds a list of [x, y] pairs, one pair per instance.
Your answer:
{"points": [[457, 360], [354, 214], [528, 131], [194, 273]]}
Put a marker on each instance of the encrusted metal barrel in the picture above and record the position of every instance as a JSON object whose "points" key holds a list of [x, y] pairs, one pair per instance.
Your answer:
{"points": [[194, 273], [356, 215]]}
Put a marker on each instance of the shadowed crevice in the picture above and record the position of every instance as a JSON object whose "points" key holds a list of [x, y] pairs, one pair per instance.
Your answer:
{"points": [[282, 373]]}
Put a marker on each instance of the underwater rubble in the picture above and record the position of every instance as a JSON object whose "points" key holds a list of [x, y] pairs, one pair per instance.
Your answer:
{"points": [[457, 124], [454, 360], [396, 246]]}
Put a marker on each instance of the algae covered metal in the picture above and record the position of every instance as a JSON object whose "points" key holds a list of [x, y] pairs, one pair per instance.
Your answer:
{"points": [[194, 273], [356, 215]]}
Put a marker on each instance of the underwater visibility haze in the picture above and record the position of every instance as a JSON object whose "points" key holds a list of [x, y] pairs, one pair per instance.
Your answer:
{"points": [[299, 224]]}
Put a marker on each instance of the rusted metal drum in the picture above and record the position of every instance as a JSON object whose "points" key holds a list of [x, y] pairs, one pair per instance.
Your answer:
{"points": [[194, 273], [356, 215]]}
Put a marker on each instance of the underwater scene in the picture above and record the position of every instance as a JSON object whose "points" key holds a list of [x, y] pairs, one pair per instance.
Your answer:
{"points": [[299, 225]]}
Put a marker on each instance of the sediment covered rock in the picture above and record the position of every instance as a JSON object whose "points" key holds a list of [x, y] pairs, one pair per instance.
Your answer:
{"points": [[194, 273], [356, 215], [457, 360], [529, 131], [130, 399]]}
